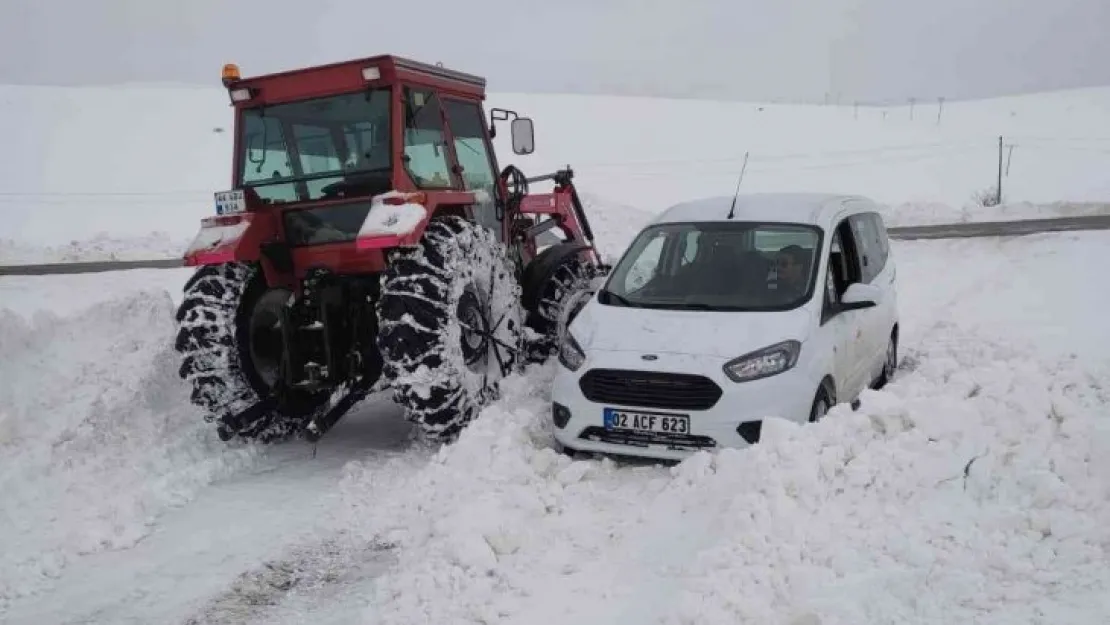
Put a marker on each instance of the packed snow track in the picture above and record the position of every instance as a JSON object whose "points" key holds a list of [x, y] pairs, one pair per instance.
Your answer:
{"points": [[975, 488]]}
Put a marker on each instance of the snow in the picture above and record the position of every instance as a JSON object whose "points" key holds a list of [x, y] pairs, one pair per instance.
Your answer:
{"points": [[131, 171], [98, 436], [69, 295], [101, 247], [391, 219], [865, 517], [975, 488], [121, 504], [921, 214], [652, 153]]}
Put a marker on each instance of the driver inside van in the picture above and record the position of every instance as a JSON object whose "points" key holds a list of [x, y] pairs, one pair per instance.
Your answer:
{"points": [[790, 266]]}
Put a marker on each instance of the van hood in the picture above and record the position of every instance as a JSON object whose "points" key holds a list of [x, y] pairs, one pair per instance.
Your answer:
{"points": [[726, 335]]}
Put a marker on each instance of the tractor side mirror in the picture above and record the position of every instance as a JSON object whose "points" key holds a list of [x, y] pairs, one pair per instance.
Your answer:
{"points": [[523, 135]]}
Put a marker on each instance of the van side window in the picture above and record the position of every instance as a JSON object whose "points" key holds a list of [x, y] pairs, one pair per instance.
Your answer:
{"points": [[870, 233], [844, 267], [881, 235]]}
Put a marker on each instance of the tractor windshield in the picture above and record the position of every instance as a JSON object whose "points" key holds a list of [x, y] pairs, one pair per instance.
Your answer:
{"points": [[317, 148], [737, 266]]}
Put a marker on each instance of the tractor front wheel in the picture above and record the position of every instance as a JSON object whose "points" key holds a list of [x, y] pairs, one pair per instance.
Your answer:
{"points": [[556, 289], [450, 324]]}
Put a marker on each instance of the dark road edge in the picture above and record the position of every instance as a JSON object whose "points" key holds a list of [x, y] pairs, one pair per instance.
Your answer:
{"points": [[1018, 227]]}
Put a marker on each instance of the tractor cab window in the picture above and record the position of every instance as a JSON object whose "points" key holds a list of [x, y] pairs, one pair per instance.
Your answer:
{"points": [[468, 130], [425, 148], [316, 148], [267, 157]]}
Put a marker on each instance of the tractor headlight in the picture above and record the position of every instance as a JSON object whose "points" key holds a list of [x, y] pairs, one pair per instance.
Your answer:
{"points": [[570, 353], [763, 363]]}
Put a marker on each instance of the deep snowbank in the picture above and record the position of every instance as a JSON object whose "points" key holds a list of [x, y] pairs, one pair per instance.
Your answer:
{"points": [[97, 436], [848, 520], [975, 488]]}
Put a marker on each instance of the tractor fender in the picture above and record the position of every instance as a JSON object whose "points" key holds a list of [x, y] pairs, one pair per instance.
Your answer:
{"points": [[230, 238], [398, 219], [540, 269]]}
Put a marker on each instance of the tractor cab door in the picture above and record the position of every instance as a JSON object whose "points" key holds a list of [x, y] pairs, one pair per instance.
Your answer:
{"points": [[446, 147], [425, 158], [474, 156]]}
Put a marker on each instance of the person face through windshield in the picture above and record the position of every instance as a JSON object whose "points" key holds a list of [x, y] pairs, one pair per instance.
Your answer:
{"points": [[791, 267]]}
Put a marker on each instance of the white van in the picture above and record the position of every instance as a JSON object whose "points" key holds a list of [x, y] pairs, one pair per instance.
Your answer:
{"points": [[725, 312]]}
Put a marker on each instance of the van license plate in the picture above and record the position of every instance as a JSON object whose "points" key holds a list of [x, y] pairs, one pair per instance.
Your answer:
{"points": [[646, 421]]}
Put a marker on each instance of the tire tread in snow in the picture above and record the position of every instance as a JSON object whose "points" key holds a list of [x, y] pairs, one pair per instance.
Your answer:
{"points": [[420, 332]]}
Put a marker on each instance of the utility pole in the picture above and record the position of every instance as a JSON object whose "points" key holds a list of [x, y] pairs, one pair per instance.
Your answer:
{"points": [[998, 195]]}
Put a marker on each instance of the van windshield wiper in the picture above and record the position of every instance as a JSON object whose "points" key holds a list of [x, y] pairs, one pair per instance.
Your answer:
{"points": [[696, 306], [620, 300]]}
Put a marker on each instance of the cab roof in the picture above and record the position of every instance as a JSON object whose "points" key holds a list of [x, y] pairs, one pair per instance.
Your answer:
{"points": [[347, 76], [816, 209]]}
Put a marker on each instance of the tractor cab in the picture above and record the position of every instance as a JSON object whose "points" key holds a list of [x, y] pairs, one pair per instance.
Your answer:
{"points": [[319, 143]]}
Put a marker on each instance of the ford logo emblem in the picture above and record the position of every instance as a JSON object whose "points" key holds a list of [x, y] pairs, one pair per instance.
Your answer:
{"points": [[650, 357]]}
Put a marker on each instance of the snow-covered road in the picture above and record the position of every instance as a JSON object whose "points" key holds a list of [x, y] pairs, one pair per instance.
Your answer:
{"points": [[974, 489]]}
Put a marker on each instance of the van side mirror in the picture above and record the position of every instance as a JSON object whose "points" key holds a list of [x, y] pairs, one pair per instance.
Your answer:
{"points": [[860, 295], [523, 135]]}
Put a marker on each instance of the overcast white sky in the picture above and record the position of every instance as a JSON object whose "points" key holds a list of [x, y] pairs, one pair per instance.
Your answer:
{"points": [[751, 49]]}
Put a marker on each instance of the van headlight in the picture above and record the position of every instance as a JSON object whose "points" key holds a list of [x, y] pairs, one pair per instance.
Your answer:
{"points": [[763, 363], [570, 352]]}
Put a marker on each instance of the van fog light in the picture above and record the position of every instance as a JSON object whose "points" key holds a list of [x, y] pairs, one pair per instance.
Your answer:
{"points": [[560, 415], [750, 431]]}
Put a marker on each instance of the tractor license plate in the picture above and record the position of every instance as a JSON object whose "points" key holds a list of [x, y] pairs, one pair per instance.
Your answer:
{"points": [[230, 202], [654, 422]]}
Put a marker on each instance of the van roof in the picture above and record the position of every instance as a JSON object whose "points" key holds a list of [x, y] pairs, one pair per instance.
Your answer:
{"points": [[807, 208]]}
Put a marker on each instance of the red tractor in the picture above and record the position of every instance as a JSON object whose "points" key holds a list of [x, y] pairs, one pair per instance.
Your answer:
{"points": [[370, 242]]}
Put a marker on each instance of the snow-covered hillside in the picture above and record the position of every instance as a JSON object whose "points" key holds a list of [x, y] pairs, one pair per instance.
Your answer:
{"points": [[129, 172]]}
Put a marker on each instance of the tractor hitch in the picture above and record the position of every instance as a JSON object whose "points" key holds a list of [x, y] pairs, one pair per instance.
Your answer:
{"points": [[332, 411]]}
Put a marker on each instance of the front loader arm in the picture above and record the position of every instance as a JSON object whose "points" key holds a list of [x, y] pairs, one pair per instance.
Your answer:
{"points": [[562, 203]]}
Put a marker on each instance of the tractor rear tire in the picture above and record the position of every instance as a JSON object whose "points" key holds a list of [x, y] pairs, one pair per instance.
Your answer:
{"points": [[459, 279], [214, 341]]}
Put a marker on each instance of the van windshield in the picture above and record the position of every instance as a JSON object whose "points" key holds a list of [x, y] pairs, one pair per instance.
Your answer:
{"points": [[735, 266]]}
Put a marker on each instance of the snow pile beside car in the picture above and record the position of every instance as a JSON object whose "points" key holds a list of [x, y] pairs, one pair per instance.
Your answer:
{"points": [[97, 436], [973, 489]]}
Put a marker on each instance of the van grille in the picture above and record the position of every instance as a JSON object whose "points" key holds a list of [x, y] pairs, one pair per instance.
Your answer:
{"points": [[650, 389]]}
